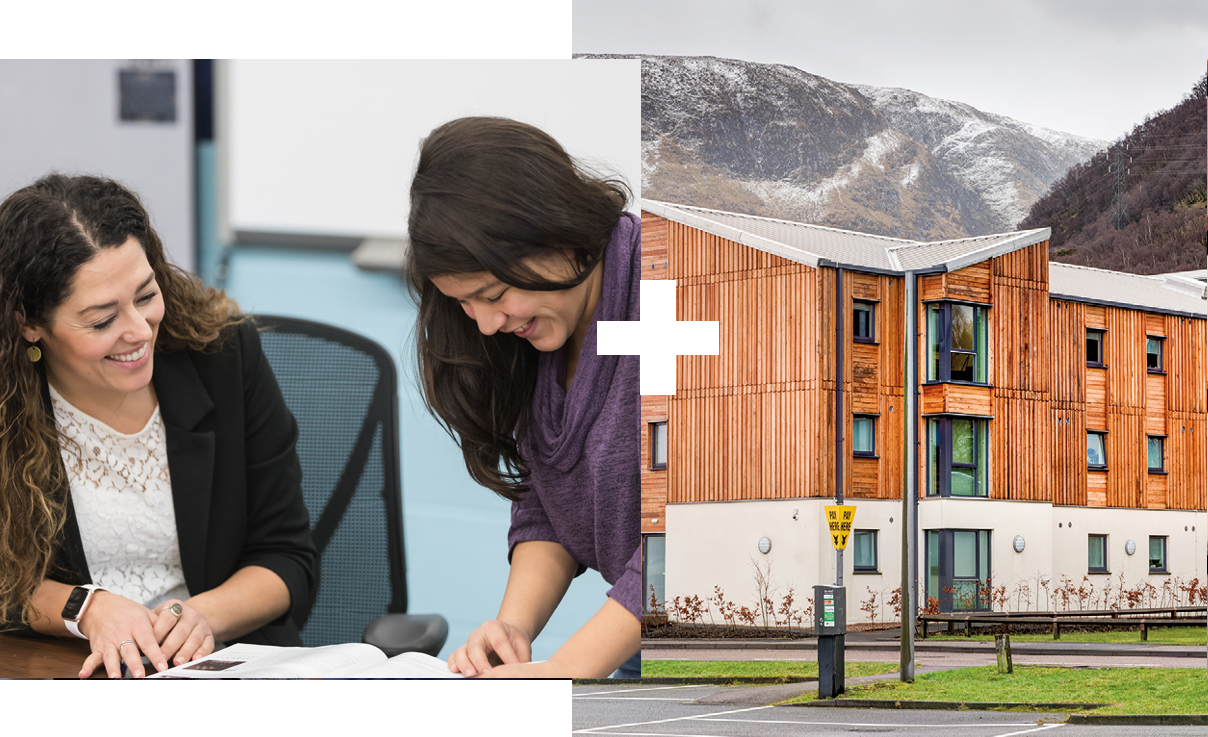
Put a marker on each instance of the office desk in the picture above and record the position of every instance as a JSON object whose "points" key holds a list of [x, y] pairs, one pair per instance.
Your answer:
{"points": [[43, 657]]}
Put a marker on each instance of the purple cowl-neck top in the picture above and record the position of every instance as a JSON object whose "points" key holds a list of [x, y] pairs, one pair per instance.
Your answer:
{"points": [[583, 447]]}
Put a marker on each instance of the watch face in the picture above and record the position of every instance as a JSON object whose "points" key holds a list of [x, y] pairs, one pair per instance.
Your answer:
{"points": [[78, 596]]}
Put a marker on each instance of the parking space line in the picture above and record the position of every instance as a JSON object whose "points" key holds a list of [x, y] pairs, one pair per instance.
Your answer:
{"points": [[638, 690], [592, 730], [1029, 731]]}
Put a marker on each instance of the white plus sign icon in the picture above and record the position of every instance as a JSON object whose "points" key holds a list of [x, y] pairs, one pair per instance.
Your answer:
{"points": [[658, 337]]}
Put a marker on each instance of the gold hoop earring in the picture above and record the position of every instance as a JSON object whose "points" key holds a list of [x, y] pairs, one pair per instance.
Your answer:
{"points": [[34, 353]]}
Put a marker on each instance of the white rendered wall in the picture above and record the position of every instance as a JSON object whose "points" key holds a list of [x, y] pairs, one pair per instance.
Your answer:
{"points": [[64, 115], [328, 147], [715, 544]]}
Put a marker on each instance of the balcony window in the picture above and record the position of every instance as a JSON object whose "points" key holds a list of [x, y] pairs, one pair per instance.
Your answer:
{"points": [[957, 457], [957, 343]]}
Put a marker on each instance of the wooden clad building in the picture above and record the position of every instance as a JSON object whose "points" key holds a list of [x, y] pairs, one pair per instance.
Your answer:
{"points": [[1061, 413]]}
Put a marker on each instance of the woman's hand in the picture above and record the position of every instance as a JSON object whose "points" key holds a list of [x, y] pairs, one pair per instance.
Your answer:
{"points": [[544, 669], [187, 636], [120, 629], [494, 643]]}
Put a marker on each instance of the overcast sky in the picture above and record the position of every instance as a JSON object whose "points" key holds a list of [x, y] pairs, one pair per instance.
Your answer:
{"points": [[1090, 67]]}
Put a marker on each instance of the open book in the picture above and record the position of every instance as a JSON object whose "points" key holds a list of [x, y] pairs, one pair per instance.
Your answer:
{"points": [[353, 660]]}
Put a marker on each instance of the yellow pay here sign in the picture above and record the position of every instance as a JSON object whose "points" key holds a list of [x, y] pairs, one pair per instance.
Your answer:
{"points": [[838, 518]]}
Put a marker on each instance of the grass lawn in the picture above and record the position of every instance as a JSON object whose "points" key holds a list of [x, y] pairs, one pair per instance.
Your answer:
{"points": [[749, 668], [1128, 690], [1163, 636]]}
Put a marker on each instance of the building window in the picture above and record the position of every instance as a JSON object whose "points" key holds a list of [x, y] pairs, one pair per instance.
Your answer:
{"points": [[1094, 348], [1157, 454], [1096, 451], [957, 457], [956, 343], [658, 445], [863, 321], [864, 435], [1157, 555], [1153, 354], [1096, 553], [654, 566], [958, 569], [864, 546]]}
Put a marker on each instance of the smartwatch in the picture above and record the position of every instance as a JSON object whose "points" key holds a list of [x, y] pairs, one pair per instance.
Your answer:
{"points": [[77, 604]]}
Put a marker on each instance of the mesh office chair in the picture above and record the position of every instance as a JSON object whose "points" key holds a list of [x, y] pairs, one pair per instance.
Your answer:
{"points": [[342, 390]]}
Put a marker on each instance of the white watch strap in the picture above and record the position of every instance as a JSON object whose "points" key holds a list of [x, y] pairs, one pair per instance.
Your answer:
{"points": [[73, 625]]}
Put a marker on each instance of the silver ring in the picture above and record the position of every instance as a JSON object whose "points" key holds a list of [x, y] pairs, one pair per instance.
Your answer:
{"points": [[176, 609], [124, 644]]}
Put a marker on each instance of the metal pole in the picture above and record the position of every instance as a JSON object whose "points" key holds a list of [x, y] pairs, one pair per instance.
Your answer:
{"points": [[840, 416], [910, 486]]}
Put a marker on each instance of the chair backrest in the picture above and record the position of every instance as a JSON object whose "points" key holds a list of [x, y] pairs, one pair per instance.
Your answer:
{"points": [[343, 392]]}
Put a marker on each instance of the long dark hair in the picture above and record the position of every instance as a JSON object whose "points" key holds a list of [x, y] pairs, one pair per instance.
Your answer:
{"points": [[488, 194], [48, 230]]}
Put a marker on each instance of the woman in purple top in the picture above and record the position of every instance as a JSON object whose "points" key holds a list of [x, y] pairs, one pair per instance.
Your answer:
{"points": [[516, 251]]}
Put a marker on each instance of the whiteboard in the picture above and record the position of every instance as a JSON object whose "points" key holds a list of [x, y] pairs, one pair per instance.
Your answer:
{"points": [[327, 148]]}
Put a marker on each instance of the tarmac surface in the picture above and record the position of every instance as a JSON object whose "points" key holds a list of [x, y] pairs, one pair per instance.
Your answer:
{"points": [[738, 711]]}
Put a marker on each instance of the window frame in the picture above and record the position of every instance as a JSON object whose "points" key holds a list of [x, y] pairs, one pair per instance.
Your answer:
{"points": [[872, 321], [646, 537], [940, 469], [856, 453], [1162, 450], [1103, 544], [1165, 567], [939, 552], [876, 556], [1103, 444], [1102, 348], [1161, 367], [654, 427], [938, 362]]}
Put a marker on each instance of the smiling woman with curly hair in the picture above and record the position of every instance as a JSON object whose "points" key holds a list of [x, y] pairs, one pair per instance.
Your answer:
{"points": [[150, 496]]}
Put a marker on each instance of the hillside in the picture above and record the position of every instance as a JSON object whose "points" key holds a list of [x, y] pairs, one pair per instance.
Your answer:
{"points": [[772, 140], [1156, 224]]}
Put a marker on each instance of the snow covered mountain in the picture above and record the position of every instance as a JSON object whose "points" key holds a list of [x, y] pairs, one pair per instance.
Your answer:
{"points": [[772, 140]]}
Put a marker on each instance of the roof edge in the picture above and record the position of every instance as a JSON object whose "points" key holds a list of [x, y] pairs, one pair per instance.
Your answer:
{"points": [[672, 212], [1022, 240]]}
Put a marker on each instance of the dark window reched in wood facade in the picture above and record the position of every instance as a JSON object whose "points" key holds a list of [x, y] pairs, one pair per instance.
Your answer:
{"points": [[658, 446], [1096, 451], [863, 321], [1153, 354], [1094, 348]]}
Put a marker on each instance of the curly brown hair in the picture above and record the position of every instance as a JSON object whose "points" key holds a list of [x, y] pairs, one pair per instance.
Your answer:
{"points": [[48, 230]]}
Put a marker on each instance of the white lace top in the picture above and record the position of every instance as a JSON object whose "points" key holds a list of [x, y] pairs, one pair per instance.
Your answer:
{"points": [[123, 505]]}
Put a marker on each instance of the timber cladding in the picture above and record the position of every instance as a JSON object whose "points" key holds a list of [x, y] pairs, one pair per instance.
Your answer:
{"points": [[758, 421]]}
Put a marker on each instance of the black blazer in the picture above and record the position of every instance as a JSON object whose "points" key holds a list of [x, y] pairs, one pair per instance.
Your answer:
{"points": [[236, 481]]}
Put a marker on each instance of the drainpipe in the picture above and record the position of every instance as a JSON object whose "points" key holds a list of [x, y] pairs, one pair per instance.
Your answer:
{"points": [[910, 495], [839, 416]]}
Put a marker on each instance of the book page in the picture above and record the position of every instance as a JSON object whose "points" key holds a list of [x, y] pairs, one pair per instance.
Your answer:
{"points": [[409, 665], [267, 661]]}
